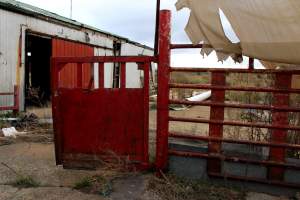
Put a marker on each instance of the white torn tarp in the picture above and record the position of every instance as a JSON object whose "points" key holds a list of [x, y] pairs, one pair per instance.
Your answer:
{"points": [[267, 29]]}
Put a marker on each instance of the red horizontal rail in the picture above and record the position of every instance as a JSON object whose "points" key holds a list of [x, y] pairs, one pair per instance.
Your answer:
{"points": [[232, 159], [2, 108], [97, 59], [232, 123], [6, 93], [230, 105], [15, 107], [233, 141], [189, 46], [246, 89], [253, 179], [233, 70]]}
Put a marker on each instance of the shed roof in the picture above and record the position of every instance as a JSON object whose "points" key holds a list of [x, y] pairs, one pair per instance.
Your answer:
{"points": [[29, 10]]}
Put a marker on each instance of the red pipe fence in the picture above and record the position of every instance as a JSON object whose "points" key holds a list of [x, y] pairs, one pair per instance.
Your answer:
{"points": [[280, 108]]}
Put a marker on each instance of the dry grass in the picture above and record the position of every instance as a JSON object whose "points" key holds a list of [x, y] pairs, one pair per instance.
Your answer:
{"points": [[95, 185], [113, 167], [174, 188], [242, 115], [25, 182]]}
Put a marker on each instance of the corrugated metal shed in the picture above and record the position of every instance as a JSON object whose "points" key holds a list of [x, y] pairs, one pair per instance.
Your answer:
{"points": [[18, 20], [33, 11]]}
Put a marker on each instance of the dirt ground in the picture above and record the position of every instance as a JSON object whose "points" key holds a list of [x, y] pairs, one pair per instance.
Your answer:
{"points": [[36, 160], [32, 155]]}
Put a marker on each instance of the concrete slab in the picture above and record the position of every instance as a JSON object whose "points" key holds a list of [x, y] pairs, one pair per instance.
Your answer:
{"points": [[260, 196], [37, 160], [45, 193], [196, 168]]}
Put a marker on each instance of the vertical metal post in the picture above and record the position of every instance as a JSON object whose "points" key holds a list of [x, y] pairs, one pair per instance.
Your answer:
{"points": [[278, 154], [163, 90], [156, 28], [56, 122], [79, 74], [16, 100], [123, 75], [146, 111], [251, 63], [101, 75], [216, 113]]}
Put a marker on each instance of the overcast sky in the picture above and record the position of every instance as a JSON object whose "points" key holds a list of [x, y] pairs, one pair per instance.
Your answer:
{"points": [[134, 19]]}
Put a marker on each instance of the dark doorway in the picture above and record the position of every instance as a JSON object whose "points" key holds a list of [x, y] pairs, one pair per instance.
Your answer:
{"points": [[37, 70], [117, 66]]}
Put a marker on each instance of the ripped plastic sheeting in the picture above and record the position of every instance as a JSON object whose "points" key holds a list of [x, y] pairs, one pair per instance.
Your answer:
{"points": [[268, 30]]}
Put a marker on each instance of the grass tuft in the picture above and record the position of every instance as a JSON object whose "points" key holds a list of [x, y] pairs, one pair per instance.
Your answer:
{"points": [[94, 185], [25, 182], [84, 183]]}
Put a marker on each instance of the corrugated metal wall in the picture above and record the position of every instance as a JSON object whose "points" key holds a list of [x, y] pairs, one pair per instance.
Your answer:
{"points": [[12, 69], [68, 76], [9, 49]]}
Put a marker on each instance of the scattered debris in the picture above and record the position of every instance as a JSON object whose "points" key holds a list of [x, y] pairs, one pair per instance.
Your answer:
{"points": [[5, 141], [35, 96], [28, 121], [11, 132], [200, 97], [178, 107]]}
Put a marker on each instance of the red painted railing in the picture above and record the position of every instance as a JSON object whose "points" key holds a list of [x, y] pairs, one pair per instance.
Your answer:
{"points": [[280, 108], [15, 107]]}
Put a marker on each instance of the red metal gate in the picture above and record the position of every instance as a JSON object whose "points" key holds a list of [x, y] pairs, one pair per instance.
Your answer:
{"points": [[280, 109], [93, 124]]}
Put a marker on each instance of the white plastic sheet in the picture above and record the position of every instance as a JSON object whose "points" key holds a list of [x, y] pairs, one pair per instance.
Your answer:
{"points": [[267, 29]]}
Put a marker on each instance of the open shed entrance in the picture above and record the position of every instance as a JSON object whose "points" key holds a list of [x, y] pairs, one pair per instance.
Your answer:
{"points": [[37, 70]]}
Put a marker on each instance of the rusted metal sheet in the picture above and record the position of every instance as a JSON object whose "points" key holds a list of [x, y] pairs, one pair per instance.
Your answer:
{"points": [[68, 76], [100, 123]]}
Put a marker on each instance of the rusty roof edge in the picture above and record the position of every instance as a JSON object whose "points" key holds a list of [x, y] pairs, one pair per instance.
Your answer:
{"points": [[29, 10]]}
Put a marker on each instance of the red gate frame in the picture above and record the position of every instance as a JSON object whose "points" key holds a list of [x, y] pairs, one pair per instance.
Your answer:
{"points": [[58, 63], [280, 108]]}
